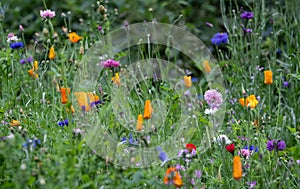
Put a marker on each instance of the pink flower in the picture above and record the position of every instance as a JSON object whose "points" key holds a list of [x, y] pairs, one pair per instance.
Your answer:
{"points": [[213, 98], [244, 152], [110, 63], [47, 13]]}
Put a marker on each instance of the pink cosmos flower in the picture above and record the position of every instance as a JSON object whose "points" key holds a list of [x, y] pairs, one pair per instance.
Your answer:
{"points": [[47, 13], [110, 63], [11, 37]]}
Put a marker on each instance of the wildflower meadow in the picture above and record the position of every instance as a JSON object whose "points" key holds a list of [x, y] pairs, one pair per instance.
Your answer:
{"points": [[150, 94]]}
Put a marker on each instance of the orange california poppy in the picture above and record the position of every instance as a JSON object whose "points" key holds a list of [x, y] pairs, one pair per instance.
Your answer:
{"points": [[33, 74], [188, 81], [139, 123], [73, 37], [147, 109], [51, 54], [268, 77], [207, 67], [15, 123], [64, 95], [82, 100], [116, 79], [172, 177], [237, 168]]}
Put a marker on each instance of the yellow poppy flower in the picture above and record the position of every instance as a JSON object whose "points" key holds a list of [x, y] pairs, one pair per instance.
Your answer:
{"points": [[188, 81], [116, 79], [51, 54], [139, 124], [15, 123]]}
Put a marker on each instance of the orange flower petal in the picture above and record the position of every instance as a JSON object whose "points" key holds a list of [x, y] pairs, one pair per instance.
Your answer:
{"points": [[139, 123], [237, 168], [64, 95], [188, 81], [82, 100], [73, 37], [147, 109], [207, 67], [51, 53], [268, 77]]}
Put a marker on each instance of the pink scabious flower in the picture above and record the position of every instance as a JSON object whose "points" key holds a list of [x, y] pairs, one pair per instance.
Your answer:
{"points": [[47, 13], [110, 63], [213, 98]]}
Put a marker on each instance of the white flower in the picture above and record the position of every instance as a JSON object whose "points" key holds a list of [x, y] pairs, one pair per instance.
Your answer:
{"points": [[210, 111], [221, 138]]}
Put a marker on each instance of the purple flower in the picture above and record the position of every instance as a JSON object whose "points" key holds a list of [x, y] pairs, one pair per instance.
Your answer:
{"points": [[281, 145], [219, 39], [163, 156], [285, 83], [99, 28], [22, 61], [47, 13], [270, 145], [17, 45], [198, 173], [244, 152], [110, 63], [251, 184], [247, 30], [29, 59], [209, 24], [213, 98], [247, 15], [193, 181], [178, 167]]}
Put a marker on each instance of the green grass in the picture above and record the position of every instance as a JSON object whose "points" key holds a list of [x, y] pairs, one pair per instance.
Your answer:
{"points": [[65, 160]]}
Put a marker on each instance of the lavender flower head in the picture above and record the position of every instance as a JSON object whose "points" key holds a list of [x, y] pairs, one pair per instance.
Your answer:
{"points": [[247, 15], [47, 13], [198, 173], [213, 98], [110, 63], [219, 39]]}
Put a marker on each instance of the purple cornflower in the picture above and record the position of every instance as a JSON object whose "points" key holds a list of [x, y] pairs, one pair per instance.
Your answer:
{"points": [[219, 39], [213, 98], [29, 59], [281, 145], [247, 30], [247, 15], [198, 173], [110, 63], [285, 83], [47, 13], [270, 145], [22, 61], [17, 45], [251, 184]]}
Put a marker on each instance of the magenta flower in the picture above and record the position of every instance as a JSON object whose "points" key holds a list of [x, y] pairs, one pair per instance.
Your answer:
{"points": [[213, 98], [47, 13], [247, 15], [110, 63]]}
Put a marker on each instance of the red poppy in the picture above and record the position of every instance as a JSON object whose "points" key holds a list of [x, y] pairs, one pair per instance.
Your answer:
{"points": [[190, 147], [230, 148]]}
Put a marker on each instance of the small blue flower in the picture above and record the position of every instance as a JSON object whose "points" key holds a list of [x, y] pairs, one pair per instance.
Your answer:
{"points": [[32, 143], [29, 59], [219, 39], [17, 45], [63, 123]]}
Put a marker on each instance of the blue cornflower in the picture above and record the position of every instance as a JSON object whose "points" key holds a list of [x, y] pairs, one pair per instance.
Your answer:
{"points": [[17, 45], [63, 123], [32, 143], [163, 156], [131, 140], [251, 148], [219, 39]]}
